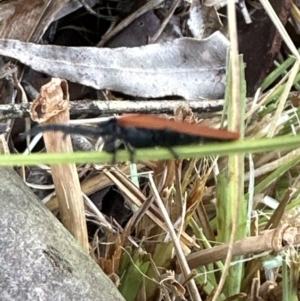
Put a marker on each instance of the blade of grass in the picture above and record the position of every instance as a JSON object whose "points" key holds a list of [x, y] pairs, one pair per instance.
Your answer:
{"points": [[275, 95], [134, 268], [161, 258], [275, 74], [285, 282], [294, 274], [189, 151], [275, 175], [234, 182], [283, 97], [208, 280]]}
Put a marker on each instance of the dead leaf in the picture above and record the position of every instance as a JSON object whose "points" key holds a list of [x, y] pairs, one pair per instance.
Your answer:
{"points": [[137, 33], [185, 67], [27, 20]]}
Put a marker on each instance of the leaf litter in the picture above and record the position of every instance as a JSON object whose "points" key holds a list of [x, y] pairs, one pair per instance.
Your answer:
{"points": [[182, 181]]}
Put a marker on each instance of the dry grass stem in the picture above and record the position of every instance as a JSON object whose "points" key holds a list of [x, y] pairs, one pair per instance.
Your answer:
{"points": [[192, 287], [277, 216], [292, 74], [264, 98], [269, 167], [51, 107], [270, 240], [138, 198]]}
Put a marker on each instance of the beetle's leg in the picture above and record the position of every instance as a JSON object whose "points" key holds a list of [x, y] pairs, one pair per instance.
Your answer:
{"points": [[132, 152], [173, 152]]}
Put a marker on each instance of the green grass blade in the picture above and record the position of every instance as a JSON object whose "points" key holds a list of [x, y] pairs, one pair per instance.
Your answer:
{"points": [[189, 151]]}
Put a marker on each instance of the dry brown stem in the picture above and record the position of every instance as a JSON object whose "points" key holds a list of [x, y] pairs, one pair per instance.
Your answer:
{"points": [[276, 239], [51, 107]]}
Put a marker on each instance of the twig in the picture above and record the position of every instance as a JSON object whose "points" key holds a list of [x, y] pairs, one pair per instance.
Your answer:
{"points": [[93, 12], [166, 20], [78, 107]]}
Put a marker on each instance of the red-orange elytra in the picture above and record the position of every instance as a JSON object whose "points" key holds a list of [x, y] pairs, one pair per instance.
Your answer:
{"points": [[153, 122]]}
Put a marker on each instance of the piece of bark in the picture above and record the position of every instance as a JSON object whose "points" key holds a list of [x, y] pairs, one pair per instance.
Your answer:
{"points": [[39, 258], [51, 107]]}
